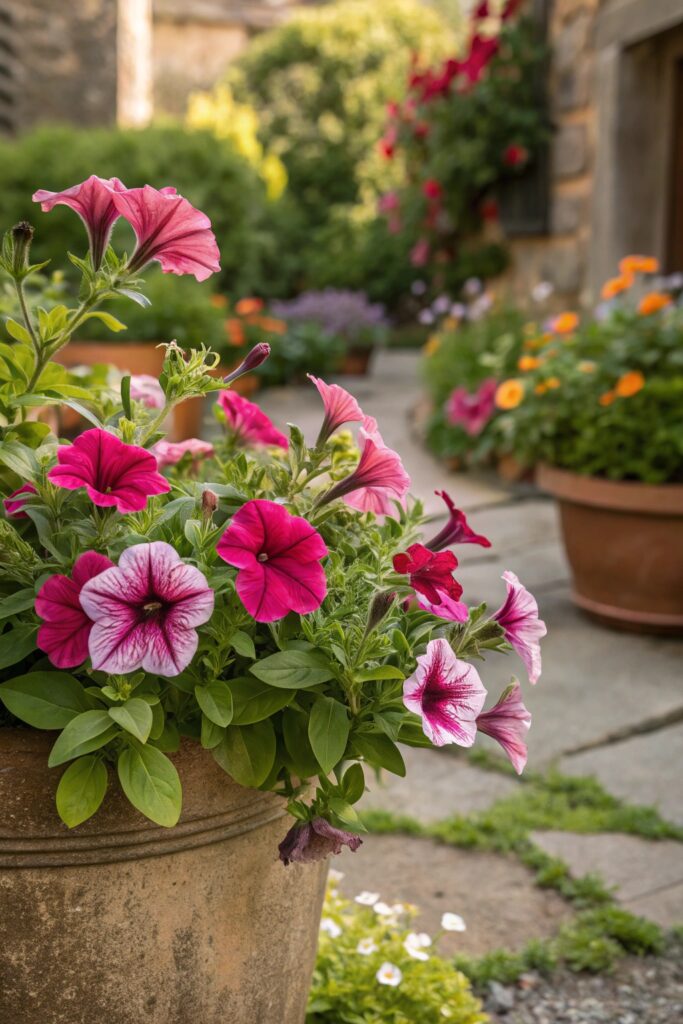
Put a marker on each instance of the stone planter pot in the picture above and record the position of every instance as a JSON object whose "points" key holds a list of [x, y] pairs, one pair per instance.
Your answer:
{"points": [[624, 542], [123, 922], [356, 361]]}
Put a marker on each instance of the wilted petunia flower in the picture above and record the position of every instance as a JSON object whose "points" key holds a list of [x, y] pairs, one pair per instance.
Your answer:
{"points": [[315, 840], [518, 616], [429, 573], [340, 407], [248, 422], [93, 201], [146, 611], [447, 694], [456, 530], [114, 474], [169, 230], [508, 722], [147, 389], [66, 629], [278, 556]]}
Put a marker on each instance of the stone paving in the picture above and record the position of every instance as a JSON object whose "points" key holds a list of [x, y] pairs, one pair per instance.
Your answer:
{"points": [[608, 704]]}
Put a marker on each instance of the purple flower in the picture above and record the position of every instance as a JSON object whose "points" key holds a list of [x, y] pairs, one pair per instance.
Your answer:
{"points": [[344, 313], [145, 611], [508, 722], [447, 694], [315, 840], [519, 619]]}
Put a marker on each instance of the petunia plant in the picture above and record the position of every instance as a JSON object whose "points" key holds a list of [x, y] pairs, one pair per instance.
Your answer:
{"points": [[268, 600]]}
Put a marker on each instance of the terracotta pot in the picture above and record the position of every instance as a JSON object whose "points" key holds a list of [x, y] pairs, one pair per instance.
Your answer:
{"points": [[511, 471], [624, 542], [356, 362], [123, 922], [130, 356]]}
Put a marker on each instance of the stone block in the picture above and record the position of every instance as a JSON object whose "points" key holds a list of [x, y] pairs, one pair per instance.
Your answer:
{"points": [[568, 213], [570, 151]]}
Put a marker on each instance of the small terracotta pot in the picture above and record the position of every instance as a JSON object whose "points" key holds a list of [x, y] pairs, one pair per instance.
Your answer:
{"points": [[356, 362], [624, 542], [124, 922]]}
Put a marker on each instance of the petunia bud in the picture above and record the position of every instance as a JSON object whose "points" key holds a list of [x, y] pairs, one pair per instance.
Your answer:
{"points": [[209, 504], [254, 358], [379, 609], [22, 236]]}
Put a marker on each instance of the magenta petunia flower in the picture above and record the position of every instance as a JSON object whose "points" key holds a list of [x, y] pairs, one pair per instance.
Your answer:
{"points": [[248, 423], [340, 407], [456, 530], [65, 631], [522, 627], [447, 608], [167, 453], [472, 410], [508, 722], [278, 556], [429, 573], [315, 840], [147, 389], [146, 611], [113, 473], [169, 230], [14, 502], [93, 201], [447, 694], [378, 478]]}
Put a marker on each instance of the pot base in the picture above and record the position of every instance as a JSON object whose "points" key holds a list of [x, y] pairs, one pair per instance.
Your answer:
{"points": [[628, 620]]}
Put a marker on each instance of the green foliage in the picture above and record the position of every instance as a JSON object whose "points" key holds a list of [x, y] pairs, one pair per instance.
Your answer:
{"points": [[345, 988], [613, 407], [596, 939]]}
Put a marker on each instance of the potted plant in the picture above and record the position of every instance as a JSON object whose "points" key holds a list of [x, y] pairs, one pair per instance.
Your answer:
{"points": [[197, 665], [597, 409]]}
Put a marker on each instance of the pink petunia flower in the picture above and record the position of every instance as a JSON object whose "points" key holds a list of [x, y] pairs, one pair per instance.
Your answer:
{"points": [[378, 477], [147, 389], [248, 423], [169, 230], [472, 410], [508, 722], [146, 611], [456, 530], [278, 556], [447, 694], [429, 573], [167, 453], [340, 407], [14, 503], [447, 608], [315, 840], [93, 201], [113, 473], [419, 254], [522, 627], [66, 629]]}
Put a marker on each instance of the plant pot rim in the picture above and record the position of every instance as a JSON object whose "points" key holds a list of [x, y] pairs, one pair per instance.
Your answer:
{"points": [[619, 495]]}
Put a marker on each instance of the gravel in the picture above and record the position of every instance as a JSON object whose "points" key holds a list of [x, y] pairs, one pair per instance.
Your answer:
{"points": [[639, 991]]}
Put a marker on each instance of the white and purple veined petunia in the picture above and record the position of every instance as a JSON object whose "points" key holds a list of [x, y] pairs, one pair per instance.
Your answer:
{"points": [[447, 694], [518, 616], [146, 611]]}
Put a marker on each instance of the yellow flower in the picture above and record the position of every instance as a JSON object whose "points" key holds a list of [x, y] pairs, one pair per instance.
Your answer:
{"points": [[432, 345], [552, 383], [629, 384], [509, 394], [653, 302], [529, 363], [587, 366], [565, 323], [638, 265]]}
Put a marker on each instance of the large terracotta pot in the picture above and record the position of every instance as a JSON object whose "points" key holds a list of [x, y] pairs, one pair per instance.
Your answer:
{"points": [[624, 543], [122, 922]]}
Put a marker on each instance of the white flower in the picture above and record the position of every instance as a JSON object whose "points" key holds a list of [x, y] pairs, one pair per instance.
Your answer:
{"points": [[334, 875], [383, 909], [330, 927], [542, 291], [414, 945], [397, 909], [367, 899], [367, 946], [445, 1012], [453, 923], [441, 305], [425, 316], [389, 974]]}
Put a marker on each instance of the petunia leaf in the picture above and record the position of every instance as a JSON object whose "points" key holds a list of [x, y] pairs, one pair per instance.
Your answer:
{"points": [[17, 643], [247, 753], [86, 732], [293, 670], [45, 700], [135, 716], [215, 700], [328, 731], [254, 700], [380, 752], [151, 783], [81, 790], [17, 602], [243, 644]]}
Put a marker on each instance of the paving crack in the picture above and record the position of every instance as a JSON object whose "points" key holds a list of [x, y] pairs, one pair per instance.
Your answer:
{"points": [[629, 731]]}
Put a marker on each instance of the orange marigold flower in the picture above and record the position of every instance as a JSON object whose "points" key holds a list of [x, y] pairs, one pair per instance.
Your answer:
{"points": [[272, 325], [529, 363], [616, 285], [653, 302], [565, 323], [587, 366], [509, 394], [540, 389], [235, 332], [245, 307], [638, 265], [607, 398], [219, 301], [629, 384], [552, 383]]}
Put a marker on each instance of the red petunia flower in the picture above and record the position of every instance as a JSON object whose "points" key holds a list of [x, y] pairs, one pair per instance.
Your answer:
{"points": [[429, 573]]}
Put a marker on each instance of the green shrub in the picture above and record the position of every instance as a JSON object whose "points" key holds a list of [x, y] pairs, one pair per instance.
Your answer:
{"points": [[596, 939], [207, 170]]}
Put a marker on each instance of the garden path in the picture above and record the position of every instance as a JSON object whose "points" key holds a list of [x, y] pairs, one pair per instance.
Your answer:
{"points": [[608, 704]]}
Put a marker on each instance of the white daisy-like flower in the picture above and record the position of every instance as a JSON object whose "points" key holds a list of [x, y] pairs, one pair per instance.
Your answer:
{"points": [[445, 1012], [383, 909], [330, 927], [397, 909], [389, 974], [542, 291], [367, 899], [367, 946], [334, 875], [414, 946], [453, 923]]}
